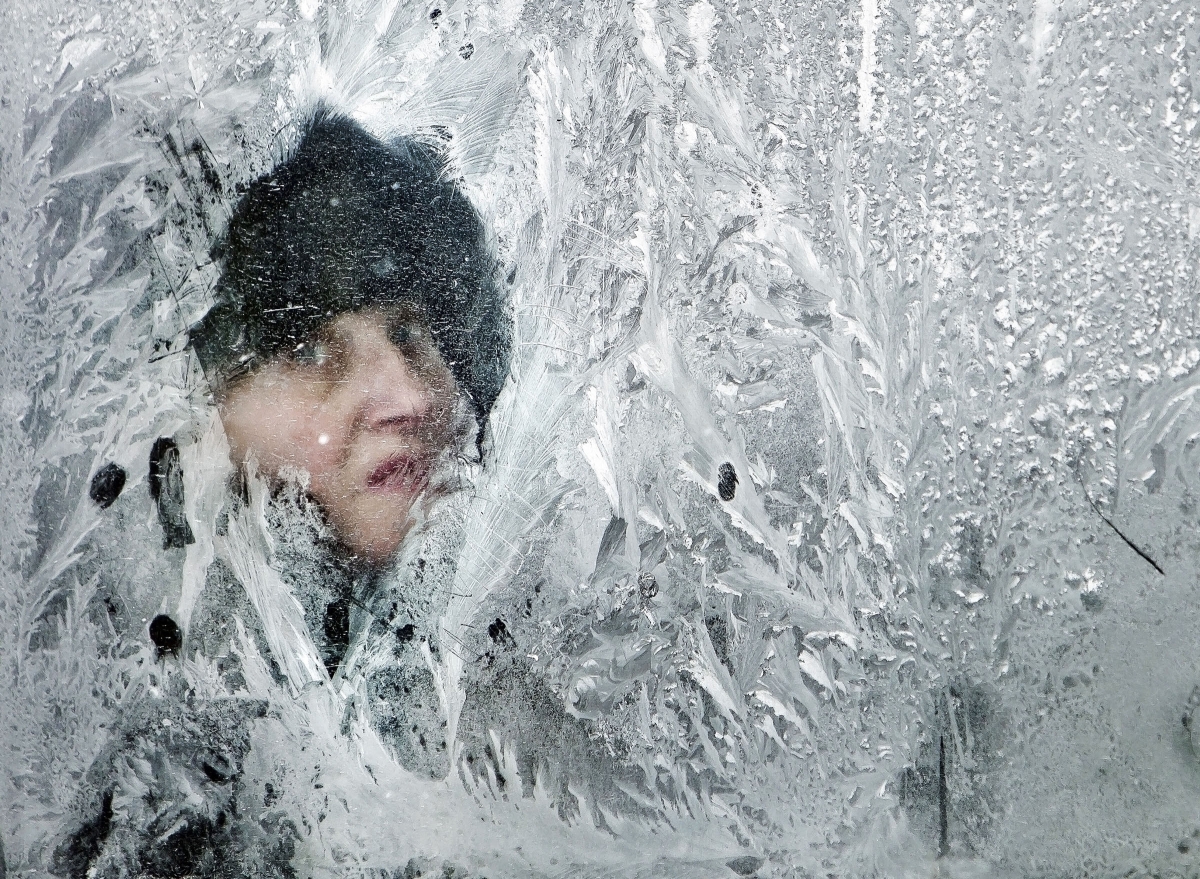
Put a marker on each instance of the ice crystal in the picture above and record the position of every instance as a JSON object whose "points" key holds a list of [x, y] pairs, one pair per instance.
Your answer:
{"points": [[837, 516]]}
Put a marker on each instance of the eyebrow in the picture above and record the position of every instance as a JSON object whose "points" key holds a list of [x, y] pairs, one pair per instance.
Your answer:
{"points": [[387, 318]]}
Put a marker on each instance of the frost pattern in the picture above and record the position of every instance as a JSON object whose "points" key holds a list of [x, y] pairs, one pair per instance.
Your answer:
{"points": [[920, 276]]}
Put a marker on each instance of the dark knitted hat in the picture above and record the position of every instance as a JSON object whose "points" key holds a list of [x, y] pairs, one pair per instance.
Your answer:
{"points": [[347, 223]]}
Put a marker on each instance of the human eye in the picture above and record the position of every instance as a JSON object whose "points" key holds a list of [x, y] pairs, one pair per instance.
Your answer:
{"points": [[400, 335], [312, 354], [404, 334]]}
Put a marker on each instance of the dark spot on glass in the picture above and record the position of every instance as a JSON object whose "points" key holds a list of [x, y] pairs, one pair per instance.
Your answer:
{"points": [[727, 481], [498, 632], [943, 796], [74, 857], [612, 543], [337, 632], [166, 490], [405, 633], [647, 585], [466, 50], [208, 171], [746, 865], [107, 485], [718, 633], [435, 15], [269, 795], [165, 634], [216, 775], [512, 276]]}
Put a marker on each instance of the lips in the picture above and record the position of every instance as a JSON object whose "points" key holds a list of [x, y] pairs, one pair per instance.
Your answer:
{"points": [[402, 474]]}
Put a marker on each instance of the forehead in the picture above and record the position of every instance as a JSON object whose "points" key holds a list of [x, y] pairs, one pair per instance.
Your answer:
{"points": [[345, 324]]}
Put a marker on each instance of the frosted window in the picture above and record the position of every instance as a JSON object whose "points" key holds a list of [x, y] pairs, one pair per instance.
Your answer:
{"points": [[809, 471]]}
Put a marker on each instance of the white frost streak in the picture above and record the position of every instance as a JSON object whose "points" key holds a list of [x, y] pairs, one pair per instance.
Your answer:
{"points": [[867, 65], [1040, 31], [600, 450], [651, 43], [206, 469], [246, 550], [702, 23], [598, 461]]}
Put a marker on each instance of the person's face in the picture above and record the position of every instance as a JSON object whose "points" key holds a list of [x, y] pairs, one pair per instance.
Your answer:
{"points": [[365, 409]]}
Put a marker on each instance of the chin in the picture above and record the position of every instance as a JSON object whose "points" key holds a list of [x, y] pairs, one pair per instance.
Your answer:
{"points": [[379, 523], [376, 541]]}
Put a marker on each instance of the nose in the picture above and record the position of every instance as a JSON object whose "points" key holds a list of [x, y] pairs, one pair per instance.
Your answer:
{"points": [[391, 393]]}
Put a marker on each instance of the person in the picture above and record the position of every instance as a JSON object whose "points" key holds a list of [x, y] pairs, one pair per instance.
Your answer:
{"points": [[356, 346], [355, 349], [355, 315]]}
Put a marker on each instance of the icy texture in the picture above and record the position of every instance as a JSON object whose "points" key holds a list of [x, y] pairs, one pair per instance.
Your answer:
{"points": [[843, 493]]}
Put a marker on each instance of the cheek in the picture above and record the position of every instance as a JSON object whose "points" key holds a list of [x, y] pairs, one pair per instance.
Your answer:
{"points": [[315, 448], [283, 431]]}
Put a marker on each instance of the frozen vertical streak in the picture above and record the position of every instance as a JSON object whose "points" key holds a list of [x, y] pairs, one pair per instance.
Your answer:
{"points": [[1039, 35], [651, 43], [1043, 23], [869, 21], [702, 21]]}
